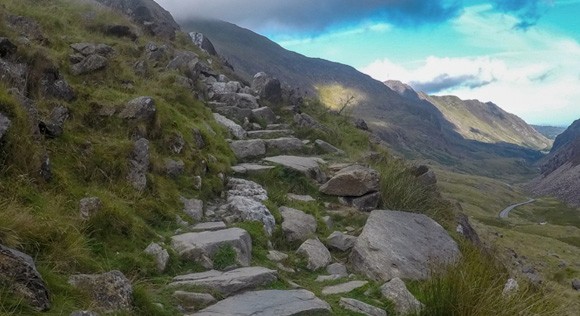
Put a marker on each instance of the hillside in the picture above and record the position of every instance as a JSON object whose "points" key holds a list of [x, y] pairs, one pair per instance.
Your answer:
{"points": [[550, 132], [414, 128], [561, 168]]}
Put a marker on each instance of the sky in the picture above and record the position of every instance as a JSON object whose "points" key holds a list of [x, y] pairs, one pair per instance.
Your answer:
{"points": [[523, 55]]}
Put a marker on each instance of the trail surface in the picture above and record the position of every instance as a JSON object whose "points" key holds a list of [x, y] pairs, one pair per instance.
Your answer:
{"points": [[506, 211]]}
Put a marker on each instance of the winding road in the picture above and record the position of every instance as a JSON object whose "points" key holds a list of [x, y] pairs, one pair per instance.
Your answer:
{"points": [[506, 211]]}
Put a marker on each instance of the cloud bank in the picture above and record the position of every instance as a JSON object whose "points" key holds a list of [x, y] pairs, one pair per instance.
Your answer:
{"points": [[529, 11], [314, 16]]}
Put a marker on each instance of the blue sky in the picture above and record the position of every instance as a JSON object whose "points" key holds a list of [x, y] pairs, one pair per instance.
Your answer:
{"points": [[523, 55]]}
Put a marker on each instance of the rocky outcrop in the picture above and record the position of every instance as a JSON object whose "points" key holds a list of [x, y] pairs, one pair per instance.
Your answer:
{"points": [[400, 244], [396, 291], [297, 225], [110, 292], [269, 303], [317, 256], [354, 180], [203, 43], [18, 274], [229, 282]]}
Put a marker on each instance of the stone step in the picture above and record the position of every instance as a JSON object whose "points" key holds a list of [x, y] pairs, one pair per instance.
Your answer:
{"points": [[250, 168], [269, 134], [310, 166], [343, 288], [208, 226]]}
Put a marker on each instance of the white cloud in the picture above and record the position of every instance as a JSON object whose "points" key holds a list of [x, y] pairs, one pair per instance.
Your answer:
{"points": [[534, 74]]}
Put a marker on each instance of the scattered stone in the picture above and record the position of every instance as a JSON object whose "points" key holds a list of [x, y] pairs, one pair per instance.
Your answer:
{"points": [[139, 164], [27, 27], [340, 241], [365, 203], [284, 144], [203, 43], [161, 255], [246, 188], [251, 169], [54, 127], [234, 113], [300, 198], [176, 143], [199, 139], [53, 85], [361, 124], [141, 108], [576, 284], [248, 209], [14, 75], [396, 291], [428, 178], [264, 114], [400, 244], [343, 288], [236, 130], [326, 147], [110, 291], [191, 301], [337, 269], [46, 168], [89, 206], [208, 226], [193, 208], [326, 278], [352, 181], [464, 228], [5, 124], [7, 48], [310, 166], [297, 225], [89, 64], [269, 303], [327, 220], [88, 49], [315, 253], [201, 247], [510, 286], [276, 256], [18, 274], [228, 282], [361, 307], [244, 149], [83, 313], [174, 168]]}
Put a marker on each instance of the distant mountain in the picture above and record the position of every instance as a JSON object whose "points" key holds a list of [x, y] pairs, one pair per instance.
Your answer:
{"points": [[413, 126], [561, 168], [551, 132]]}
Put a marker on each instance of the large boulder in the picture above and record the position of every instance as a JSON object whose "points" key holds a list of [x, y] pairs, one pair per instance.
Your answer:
{"points": [[18, 274], [400, 244], [297, 225], [110, 291], [264, 114], [405, 303], [365, 203], [327, 147], [354, 180], [233, 128], [248, 209], [252, 148], [203, 43], [316, 254], [310, 166], [266, 87], [229, 282], [54, 126], [269, 303], [234, 113], [139, 164], [141, 108], [202, 247]]}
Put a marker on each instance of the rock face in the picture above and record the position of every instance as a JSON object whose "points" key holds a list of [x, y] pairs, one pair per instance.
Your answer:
{"points": [[139, 164], [161, 256], [18, 273], [203, 42], [202, 247], [248, 209], [228, 282], [352, 181], [297, 225], [244, 149], [14, 75], [110, 291], [399, 244], [396, 291], [266, 87], [315, 253], [269, 303], [361, 307], [340, 241]]}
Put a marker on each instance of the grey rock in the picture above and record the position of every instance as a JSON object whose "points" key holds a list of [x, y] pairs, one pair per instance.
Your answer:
{"points": [[310, 166], [284, 145], [161, 255], [53, 85], [276, 256], [229, 282], [361, 307], [251, 169], [365, 203], [343, 288], [464, 228], [510, 286], [90, 64], [110, 291], [326, 278], [89, 206], [139, 164], [269, 303], [201, 247], [269, 134], [203, 43], [361, 124], [340, 241], [266, 87], [18, 274], [186, 63], [198, 138], [300, 198], [84, 313], [141, 108], [191, 301], [157, 53], [5, 124], [240, 100], [305, 120], [264, 114], [428, 178], [400, 244], [197, 182], [352, 181], [46, 168], [176, 143], [226, 87], [208, 226], [7, 48], [88, 49], [193, 208], [54, 126], [232, 127], [337, 269], [244, 149], [248, 209], [328, 148], [396, 291], [576, 284], [297, 225], [174, 168], [315, 253], [246, 188], [14, 75], [234, 113]]}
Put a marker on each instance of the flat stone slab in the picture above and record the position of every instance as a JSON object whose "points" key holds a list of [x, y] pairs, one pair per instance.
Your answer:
{"points": [[228, 282], [343, 288], [361, 307], [310, 166], [208, 226], [300, 198], [269, 303], [250, 169], [268, 134]]}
